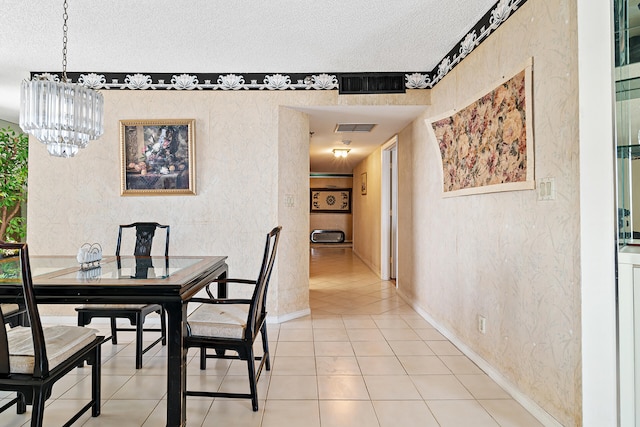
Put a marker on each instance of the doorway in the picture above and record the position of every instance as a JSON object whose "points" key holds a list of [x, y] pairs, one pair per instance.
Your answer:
{"points": [[389, 207]]}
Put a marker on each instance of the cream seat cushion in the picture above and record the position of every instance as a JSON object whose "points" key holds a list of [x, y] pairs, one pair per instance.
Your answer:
{"points": [[219, 320], [9, 308], [61, 341], [112, 306]]}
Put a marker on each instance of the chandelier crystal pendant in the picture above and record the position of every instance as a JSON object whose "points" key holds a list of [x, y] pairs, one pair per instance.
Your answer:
{"points": [[63, 115]]}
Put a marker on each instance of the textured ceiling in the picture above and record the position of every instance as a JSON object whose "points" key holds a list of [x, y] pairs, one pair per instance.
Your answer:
{"points": [[252, 36]]}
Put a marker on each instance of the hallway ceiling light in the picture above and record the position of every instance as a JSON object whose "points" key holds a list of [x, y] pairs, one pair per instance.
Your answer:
{"points": [[62, 115], [341, 152]]}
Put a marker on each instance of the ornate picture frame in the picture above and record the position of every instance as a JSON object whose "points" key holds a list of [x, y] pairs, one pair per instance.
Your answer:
{"points": [[331, 200], [157, 157]]}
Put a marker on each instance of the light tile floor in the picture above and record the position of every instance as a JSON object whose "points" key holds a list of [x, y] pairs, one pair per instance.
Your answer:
{"points": [[363, 358]]}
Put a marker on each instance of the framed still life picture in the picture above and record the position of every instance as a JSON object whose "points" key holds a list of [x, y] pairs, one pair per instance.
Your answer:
{"points": [[157, 157]]}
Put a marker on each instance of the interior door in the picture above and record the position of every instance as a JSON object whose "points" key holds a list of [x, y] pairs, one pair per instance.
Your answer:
{"points": [[393, 213]]}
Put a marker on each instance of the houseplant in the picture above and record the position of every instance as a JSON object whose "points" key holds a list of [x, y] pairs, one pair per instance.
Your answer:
{"points": [[14, 151]]}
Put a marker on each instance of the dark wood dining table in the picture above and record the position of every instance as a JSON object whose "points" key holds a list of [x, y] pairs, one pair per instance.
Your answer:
{"points": [[169, 281]]}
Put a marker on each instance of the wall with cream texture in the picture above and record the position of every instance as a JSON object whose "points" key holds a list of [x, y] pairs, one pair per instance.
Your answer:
{"points": [[505, 256], [252, 153]]}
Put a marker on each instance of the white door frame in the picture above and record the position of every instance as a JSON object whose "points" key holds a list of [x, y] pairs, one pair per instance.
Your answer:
{"points": [[389, 197]]}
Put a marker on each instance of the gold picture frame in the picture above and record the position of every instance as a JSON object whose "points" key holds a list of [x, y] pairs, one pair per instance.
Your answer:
{"points": [[157, 157]]}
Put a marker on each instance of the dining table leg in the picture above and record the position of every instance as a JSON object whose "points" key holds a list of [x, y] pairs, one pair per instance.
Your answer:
{"points": [[176, 364]]}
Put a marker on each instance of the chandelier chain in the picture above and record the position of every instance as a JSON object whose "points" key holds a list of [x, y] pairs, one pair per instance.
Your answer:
{"points": [[65, 16]]}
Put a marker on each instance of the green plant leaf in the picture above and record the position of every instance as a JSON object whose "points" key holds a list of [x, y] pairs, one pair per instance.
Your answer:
{"points": [[14, 154]]}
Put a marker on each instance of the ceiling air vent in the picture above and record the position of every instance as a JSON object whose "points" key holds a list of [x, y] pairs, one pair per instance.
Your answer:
{"points": [[371, 83], [354, 127]]}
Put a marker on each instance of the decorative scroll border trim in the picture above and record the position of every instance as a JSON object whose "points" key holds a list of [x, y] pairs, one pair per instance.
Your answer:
{"points": [[490, 22]]}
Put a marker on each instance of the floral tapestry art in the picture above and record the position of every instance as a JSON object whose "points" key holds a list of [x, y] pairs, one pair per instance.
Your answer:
{"points": [[487, 145]]}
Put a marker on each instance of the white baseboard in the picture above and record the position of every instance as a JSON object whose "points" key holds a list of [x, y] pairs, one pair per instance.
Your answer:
{"points": [[541, 415], [289, 316], [375, 270]]}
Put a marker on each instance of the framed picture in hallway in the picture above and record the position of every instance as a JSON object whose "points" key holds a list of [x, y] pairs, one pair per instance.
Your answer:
{"points": [[331, 200], [363, 183], [157, 157]]}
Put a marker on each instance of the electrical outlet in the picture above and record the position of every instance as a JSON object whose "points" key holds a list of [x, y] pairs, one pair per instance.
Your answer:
{"points": [[482, 324]]}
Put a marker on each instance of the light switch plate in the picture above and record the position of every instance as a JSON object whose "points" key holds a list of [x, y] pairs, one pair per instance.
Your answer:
{"points": [[289, 201], [546, 188]]}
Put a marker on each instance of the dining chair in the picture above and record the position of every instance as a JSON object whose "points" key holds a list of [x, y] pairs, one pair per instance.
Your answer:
{"points": [[34, 358], [15, 314], [135, 313], [233, 324]]}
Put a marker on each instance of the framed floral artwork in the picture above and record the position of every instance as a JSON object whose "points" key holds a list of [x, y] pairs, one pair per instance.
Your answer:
{"points": [[487, 144], [331, 200], [157, 157]]}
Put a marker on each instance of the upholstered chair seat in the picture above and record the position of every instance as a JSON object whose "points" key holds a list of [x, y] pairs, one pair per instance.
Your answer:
{"points": [[112, 306], [61, 342], [14, 314], [224, 320], [233, 324], [8, 308], [34, 357]]}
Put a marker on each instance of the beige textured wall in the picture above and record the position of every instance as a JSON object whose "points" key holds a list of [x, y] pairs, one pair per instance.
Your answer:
{"points": [[293, 164], [504, 255], [507, 256], [366, 211], [5, 124], [329, 221], [251, 152], [242, 169]]}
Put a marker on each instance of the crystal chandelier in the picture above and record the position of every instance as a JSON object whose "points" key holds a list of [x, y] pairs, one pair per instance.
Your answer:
{"points": [[63, 115]]}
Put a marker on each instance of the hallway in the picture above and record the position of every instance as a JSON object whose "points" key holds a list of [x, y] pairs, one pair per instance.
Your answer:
{"points": [[363, 358], [409, 373]]}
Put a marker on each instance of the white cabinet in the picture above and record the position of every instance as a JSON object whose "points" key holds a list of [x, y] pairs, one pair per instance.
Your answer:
{"points": [[629, 335]]}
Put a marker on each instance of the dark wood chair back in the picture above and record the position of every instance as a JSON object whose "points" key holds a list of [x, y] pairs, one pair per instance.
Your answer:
{"points": [[15, 269], [135, 313], [258, 309], [33, 384], [211, 326], [145, 232]]}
